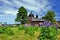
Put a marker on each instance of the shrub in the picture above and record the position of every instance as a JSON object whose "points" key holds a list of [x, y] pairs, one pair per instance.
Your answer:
{"points": [[6, 30], [30, 30], [53, 32], [49, 33], [9, 31], [1, 30], [44, 33], [20, 27]]}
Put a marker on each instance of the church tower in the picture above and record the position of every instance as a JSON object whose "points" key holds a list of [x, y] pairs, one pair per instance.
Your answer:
{"points": [[30, 17]]}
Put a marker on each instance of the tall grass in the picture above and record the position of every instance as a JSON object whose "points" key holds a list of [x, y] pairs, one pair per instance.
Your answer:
{"points": [[28, 33], [49, 33]]}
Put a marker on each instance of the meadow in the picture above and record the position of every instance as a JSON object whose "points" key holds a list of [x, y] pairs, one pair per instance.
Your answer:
{"points": [[29, 33]]}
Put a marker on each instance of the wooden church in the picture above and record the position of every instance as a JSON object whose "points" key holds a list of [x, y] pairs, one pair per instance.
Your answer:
{"points": [[35, 21]]}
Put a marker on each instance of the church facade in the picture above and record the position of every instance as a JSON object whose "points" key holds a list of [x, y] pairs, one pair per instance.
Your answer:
{"points": [[35, 21]]}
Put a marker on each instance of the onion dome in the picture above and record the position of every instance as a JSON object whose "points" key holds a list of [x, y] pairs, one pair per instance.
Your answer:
{"points": [[31, 15]]}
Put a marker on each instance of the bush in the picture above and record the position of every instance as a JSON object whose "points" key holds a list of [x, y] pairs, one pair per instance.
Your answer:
{"points": [[30, 30], [53, 32], [44, 33], [6, 30], [9, 31], [21, 27], [49, 33], [1, 30]]}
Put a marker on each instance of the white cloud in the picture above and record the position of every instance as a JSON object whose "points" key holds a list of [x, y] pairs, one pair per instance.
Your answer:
{"points": [[11, 12], [11, 6], [34, 5]]}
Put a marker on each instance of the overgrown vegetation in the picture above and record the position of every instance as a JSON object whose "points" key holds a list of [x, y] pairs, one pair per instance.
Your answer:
{"points": [[49, 33], [28, 33]]}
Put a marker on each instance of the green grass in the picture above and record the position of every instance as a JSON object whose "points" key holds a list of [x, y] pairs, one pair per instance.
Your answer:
{"points": [[20, 33], [58, 35]]}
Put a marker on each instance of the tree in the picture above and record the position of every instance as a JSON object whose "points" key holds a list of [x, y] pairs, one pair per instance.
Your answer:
{"points": [[21, 15], [50, 16]]}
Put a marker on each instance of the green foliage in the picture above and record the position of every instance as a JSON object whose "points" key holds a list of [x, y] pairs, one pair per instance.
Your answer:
{"points": [[53, 32], [48, 33], [44, 33], [21, 33], [21, 15], [21, 27], [6, 30], [1, 30], [9, 31], [29, 30], [50, 16]]}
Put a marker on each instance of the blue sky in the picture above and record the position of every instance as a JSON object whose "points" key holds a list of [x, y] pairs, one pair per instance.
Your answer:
{"points": [[9, 8]]}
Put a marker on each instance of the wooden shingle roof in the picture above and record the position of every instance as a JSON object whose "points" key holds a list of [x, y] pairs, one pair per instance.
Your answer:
{"points": [[38, 19]]}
